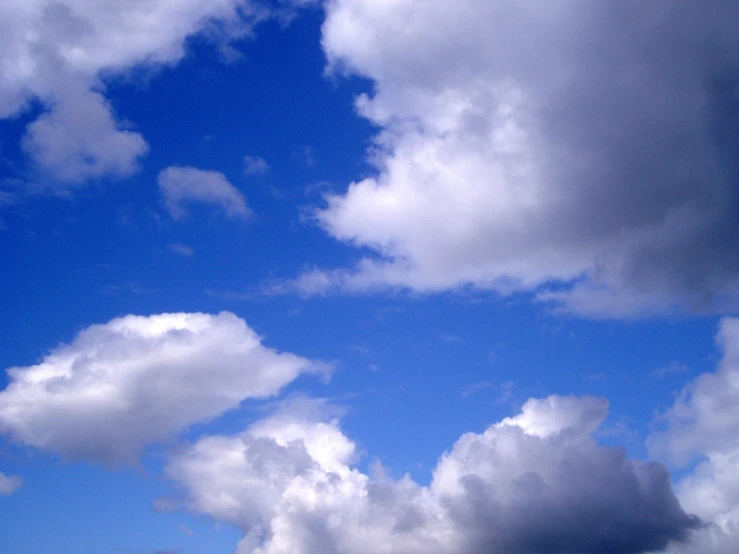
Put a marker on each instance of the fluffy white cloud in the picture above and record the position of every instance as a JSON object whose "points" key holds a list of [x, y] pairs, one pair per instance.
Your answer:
{"points": [[59, 51], [9, 484], [536, 483], [183, 185], [580, 143], [135, 380], [703, 423]]}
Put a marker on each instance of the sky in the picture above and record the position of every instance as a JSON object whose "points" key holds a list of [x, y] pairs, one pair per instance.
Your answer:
{"points": [[369, 277]]}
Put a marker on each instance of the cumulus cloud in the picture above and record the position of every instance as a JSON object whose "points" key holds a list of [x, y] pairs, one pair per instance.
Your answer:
{"points": [[9, 484], [536, 483], [702, 425], [585, 145], [186, 185], [59, 53], [136, 380]]}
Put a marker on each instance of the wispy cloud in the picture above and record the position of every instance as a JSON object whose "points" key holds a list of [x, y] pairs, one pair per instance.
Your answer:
{"points": [[181, 249], [672, 369]]}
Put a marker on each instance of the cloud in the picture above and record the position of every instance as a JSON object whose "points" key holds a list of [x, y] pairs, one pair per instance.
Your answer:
{"points": [[573, 145], [60, 52], [9, 484], [255, 165], [475, 388], [672, 369], [186, 530], [185, 185], [702, 418], [305, 156], [79, 139], [181, 249], [535, 483], [137, 380], [702, 425]]}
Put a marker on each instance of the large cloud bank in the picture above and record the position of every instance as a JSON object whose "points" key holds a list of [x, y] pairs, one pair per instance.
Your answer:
{"points": [[524, 144], [533, 484], [136, 380], [59, 52]]}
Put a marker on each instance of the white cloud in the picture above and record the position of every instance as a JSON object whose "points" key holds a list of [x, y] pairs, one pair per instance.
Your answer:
{"points": [[59, 52], [78, 139], [255, 165], [136, 380], [702, 419], [528, 143], [9, 484], [703, 424], [535, 483], [185, 185]]}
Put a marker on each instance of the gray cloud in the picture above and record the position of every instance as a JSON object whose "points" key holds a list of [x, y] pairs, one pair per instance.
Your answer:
{"points": [[181, 186], [536, 483], [79, 139], [587, 145], [255, 165]]}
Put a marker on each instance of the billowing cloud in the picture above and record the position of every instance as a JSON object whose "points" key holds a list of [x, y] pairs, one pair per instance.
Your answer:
{"points": [[9, 484], [536, 483], [185, 185], [702, 425], [59, 52], [135, 380], [585, 145]]}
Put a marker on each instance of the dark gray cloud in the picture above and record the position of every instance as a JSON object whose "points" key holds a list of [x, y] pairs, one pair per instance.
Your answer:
{"points": [[626, 509], [590, 145], [533, 484]]}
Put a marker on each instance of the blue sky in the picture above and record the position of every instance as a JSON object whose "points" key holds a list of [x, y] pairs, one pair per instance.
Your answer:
{"points": [[357, 276]]}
